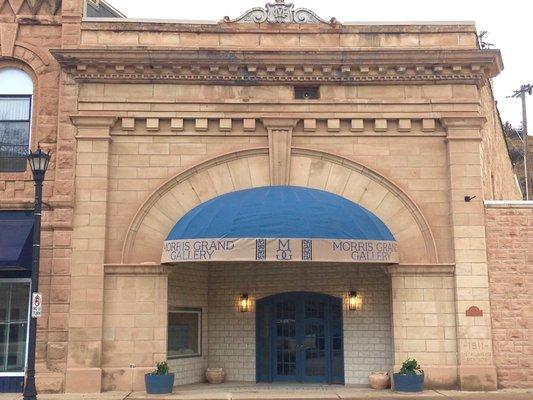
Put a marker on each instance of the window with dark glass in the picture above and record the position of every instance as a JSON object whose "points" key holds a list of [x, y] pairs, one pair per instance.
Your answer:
{"points": [[14, 303], [306, 92], [15, 115], [184, 333]]}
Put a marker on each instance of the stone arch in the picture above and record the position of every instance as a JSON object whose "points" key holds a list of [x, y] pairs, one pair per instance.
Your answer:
{"points": [[28, 62], [250, 168], [33, 55], [23, 66]]}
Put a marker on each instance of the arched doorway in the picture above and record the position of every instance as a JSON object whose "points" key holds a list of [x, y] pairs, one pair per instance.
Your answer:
{"points": [[299, 338]]}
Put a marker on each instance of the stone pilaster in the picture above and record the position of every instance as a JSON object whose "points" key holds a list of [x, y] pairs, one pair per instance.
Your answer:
{"points": [[279, 143], [474, 344], [424, 322], [72, 14], [84, 373]]}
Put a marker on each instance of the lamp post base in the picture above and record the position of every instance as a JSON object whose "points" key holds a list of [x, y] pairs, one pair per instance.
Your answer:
{"points": [[30, 391]]}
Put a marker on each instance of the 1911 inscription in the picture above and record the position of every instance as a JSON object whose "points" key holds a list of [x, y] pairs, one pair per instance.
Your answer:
{"points": [[476, 351]]}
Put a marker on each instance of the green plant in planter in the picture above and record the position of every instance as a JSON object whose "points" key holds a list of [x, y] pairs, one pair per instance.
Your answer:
{"points": [[411, 367], [410, 378], [161, 368], [159, 381]]}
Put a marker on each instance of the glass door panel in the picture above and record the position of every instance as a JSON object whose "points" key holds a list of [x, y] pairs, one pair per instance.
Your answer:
{"points": [[337, 349], [285, 340], [314, 345]]}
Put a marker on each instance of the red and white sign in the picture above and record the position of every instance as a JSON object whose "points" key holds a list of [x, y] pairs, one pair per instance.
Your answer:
{"points": [[36, 305]]}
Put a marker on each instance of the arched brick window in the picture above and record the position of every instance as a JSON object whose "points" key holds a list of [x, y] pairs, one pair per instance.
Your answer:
{"points": [[16, 91]]}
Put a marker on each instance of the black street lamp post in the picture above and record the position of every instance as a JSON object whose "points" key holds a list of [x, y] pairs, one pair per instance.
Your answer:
{"points": [[38, 161]]}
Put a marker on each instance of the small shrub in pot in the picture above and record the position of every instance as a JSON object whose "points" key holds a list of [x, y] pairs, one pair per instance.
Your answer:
{"points": [[159, 381], [410, 378]]}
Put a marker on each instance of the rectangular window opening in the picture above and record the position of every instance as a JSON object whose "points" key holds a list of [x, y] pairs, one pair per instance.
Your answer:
{"points": [[306, 92], [184, 333], [15, 119], [14, 308]]}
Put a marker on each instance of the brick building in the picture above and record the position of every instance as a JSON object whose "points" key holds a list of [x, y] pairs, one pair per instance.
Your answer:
{"points": [[285, 197]]}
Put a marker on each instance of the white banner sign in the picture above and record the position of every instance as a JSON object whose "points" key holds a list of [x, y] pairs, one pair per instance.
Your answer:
{"points": [[36, 305], [332, 250]]}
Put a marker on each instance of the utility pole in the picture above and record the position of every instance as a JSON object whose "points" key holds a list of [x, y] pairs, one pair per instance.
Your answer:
{"points": [[524, 89]]}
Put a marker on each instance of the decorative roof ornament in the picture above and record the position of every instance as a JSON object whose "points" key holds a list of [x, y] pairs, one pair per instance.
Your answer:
{"points": [[280, 13]]}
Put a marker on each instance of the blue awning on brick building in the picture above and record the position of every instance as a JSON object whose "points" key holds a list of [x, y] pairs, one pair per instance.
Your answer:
{"points": [[16, 240]]}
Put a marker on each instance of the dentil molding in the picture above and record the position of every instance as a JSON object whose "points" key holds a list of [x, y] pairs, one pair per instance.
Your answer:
{"points": [[223, 66]]}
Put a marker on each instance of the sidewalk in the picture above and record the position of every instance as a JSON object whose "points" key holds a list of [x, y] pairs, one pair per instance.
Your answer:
{"points": [[234, 392]]}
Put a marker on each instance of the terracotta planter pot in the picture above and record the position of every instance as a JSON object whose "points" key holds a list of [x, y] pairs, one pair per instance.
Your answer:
{"points": [[215, 375], [379, 380]]}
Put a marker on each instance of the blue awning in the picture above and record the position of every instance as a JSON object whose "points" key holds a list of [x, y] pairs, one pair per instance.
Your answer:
{"points": [[280, 223], [16, 228], [280, 212]]}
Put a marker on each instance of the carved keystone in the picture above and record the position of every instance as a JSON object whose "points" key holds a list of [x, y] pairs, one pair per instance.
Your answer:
{"points": [[279, 144]]}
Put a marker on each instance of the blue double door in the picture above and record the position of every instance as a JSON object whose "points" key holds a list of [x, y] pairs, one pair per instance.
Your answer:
{"points": [[300, 338]]}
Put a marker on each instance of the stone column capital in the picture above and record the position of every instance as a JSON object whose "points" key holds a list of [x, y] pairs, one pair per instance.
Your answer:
{"points": [[476, 122], [93, 128], [88, 121], [281, 124], [463, 128]]}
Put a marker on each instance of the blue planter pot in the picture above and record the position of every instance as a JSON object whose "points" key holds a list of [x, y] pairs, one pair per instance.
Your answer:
{"points": [[159, 384], [408, 383]]}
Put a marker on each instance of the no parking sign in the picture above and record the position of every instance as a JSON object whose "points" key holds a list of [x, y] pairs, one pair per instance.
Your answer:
{"points": [[36, 305]]}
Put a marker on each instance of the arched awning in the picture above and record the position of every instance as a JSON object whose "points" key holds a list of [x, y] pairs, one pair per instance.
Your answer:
{"points": [[280, 223]]}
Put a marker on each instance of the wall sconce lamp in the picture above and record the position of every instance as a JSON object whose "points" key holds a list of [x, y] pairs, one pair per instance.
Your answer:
{"points": [[468, 199], [244, 303], [355, 301]]}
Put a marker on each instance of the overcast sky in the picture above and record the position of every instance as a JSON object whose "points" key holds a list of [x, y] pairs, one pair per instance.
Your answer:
{"points": [[508, 23]]}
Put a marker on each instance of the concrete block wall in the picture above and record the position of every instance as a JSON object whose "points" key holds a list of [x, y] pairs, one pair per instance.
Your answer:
{"points": [[187, 288], [367, 333], [510, 260]]}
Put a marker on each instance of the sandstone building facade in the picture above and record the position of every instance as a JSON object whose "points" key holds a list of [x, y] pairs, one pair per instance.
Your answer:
{"points": [[169, 139]]}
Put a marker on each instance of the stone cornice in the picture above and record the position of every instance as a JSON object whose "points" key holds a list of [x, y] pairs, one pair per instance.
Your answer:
{"points": [[226, 66]]}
